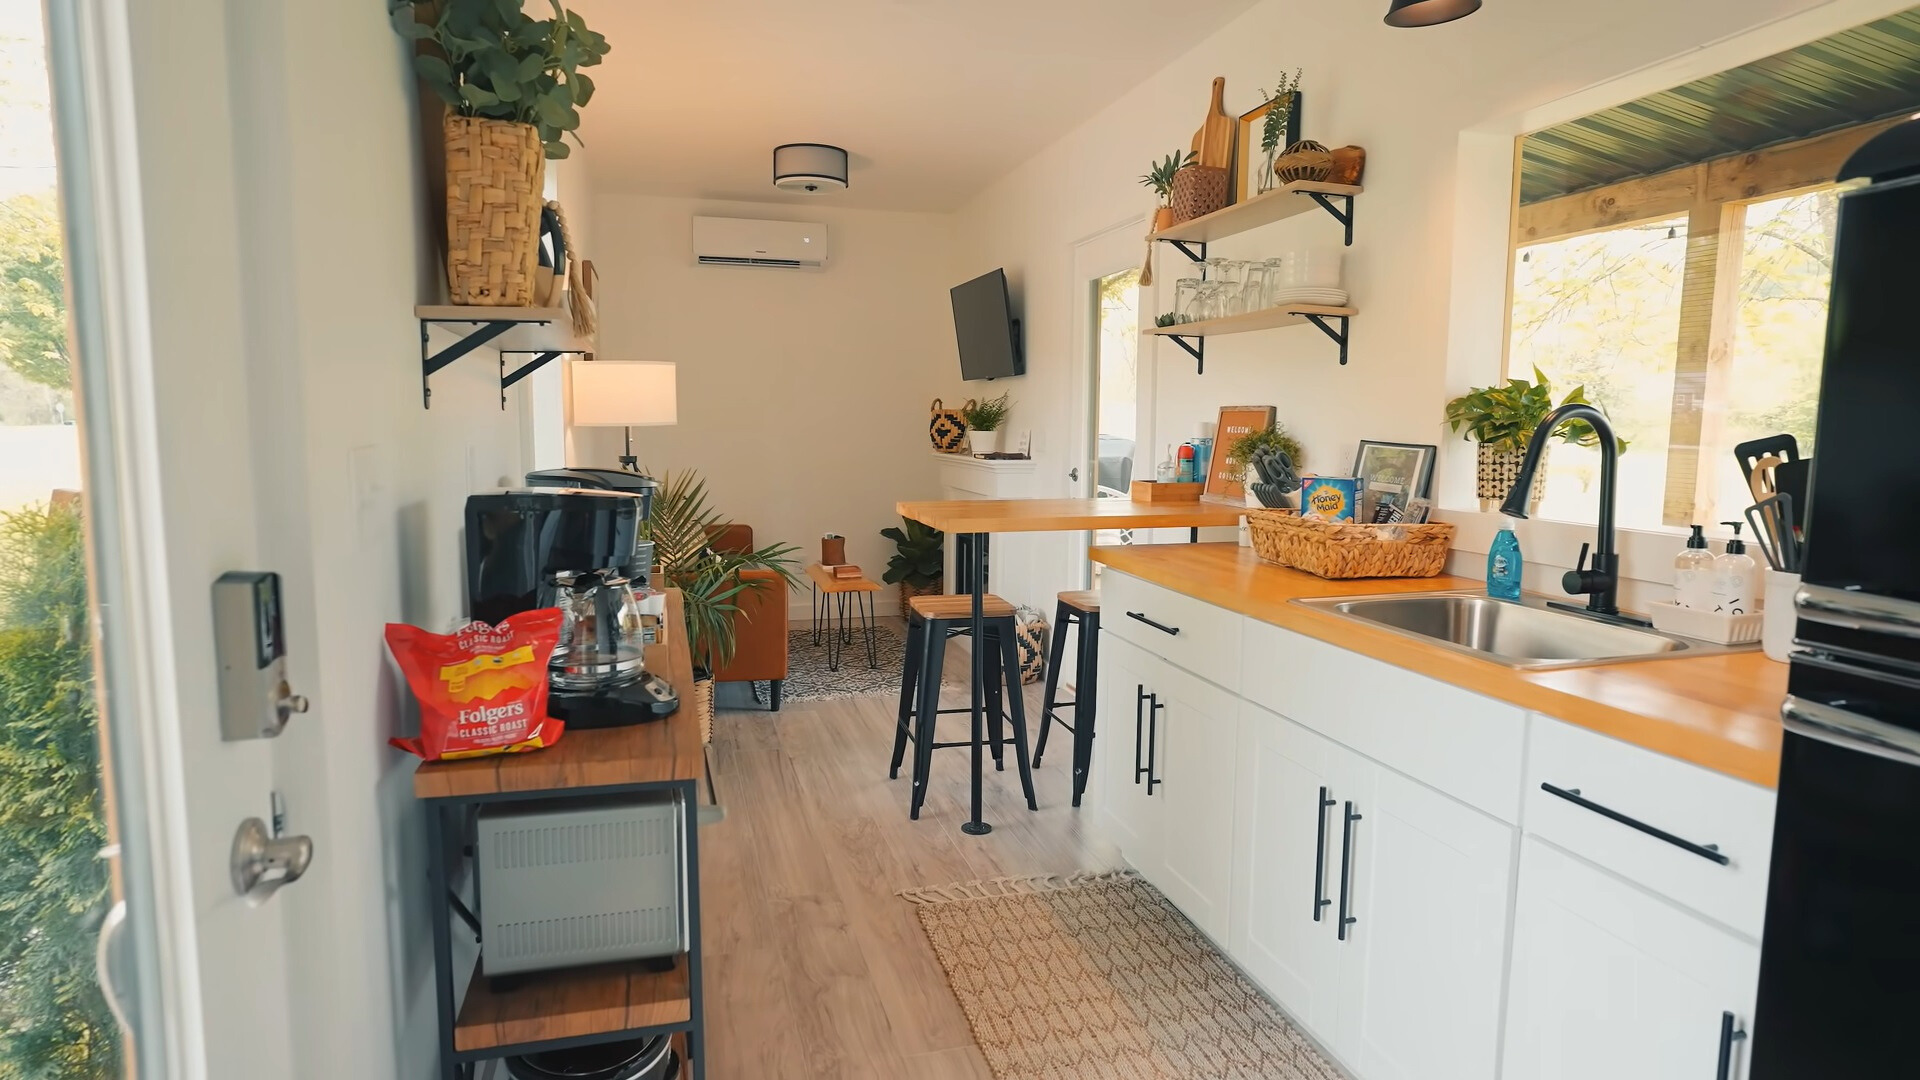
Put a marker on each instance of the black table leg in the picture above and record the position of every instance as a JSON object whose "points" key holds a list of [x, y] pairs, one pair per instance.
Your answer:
{"points": [[977, 577]]}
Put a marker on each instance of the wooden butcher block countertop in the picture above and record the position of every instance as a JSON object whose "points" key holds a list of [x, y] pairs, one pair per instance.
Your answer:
{"points": [[1721, 712]]}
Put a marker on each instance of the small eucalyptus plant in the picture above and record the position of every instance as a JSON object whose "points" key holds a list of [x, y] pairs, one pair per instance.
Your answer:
{"points": [[494, 61], [1160, 176], [1280, 110]]}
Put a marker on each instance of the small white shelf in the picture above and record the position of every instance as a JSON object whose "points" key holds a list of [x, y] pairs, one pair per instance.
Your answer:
{"points": [[1282, 202]]}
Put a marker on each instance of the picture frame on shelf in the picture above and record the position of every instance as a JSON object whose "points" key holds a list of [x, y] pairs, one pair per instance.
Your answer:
{"points": [[1235, 421], [1253, 167], [1393, 472]]}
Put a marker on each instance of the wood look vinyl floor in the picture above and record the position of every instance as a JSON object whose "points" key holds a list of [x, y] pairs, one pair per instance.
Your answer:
{"points": [[814, 967]]}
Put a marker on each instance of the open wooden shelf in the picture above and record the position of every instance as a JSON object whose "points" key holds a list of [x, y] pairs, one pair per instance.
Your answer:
{"points": [[1285, 315], [572, 1003], [1284, 201]]}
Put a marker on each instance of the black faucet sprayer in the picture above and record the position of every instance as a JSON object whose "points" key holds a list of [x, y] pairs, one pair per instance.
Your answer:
{"points": [[1600, 582]]}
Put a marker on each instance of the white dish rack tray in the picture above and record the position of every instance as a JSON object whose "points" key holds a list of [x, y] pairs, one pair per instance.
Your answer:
{"points": [[1717, 627]]}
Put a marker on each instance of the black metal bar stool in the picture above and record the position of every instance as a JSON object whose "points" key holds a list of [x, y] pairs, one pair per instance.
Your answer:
{"points": [[1079, 608], [934, 619]]}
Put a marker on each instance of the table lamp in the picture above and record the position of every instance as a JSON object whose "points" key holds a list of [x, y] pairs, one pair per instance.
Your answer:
{"points": [[624, 394]]}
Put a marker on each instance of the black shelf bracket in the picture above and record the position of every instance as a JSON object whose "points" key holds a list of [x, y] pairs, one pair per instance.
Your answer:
{"points": [[1188, 249], [1343, 217], [485, 330], [1339, 336], [1196, 346]]}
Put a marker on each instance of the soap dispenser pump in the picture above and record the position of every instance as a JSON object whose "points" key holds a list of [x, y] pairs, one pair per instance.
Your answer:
{"points": [[1693, 574], [1736, 577]]}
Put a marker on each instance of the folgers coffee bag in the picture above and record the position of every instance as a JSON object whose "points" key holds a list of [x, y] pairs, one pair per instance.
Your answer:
{"points": [[482, 689]]}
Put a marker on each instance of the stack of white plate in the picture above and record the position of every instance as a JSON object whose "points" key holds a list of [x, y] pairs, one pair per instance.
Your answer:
{"points": [[1328, 297]]}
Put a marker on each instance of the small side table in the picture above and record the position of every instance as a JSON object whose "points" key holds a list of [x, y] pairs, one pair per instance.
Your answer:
{"points": [[837, 604]]}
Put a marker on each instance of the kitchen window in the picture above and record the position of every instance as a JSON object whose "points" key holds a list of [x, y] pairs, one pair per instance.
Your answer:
{"points": [[1692, 305]]}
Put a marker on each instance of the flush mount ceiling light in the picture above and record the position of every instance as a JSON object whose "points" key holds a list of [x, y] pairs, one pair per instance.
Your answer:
{"points": [[809, 167], [1429, 12]]}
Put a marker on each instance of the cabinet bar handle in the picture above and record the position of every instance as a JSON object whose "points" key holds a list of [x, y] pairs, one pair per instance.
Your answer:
{"points": [[1139, 723], [1162, 627], [1153, 738], [1346, 871], [1728, 1036], [1320, 899], [1572, 795]]}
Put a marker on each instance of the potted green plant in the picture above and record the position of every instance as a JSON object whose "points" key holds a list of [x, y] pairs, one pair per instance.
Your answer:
{"points": [[513, 88], [1502, 420], [917, 564], [984, 420], [1242, 451], [681, 527], [1159, 177]]}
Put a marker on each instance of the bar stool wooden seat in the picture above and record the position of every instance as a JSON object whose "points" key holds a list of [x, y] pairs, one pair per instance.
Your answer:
{"points": [[1080, 608], [934, 619]]}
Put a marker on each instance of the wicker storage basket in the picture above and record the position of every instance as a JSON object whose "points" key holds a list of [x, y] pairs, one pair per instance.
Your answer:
{"points": [[908, 591], [945, 428], [496, 171], [1343, 550], [1198, 191]]}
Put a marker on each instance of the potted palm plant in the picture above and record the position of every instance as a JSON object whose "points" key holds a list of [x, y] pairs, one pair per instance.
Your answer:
{"points": [[984, 420], [1159, 177], [681, 527], [513, 87], [917, 565], [1502, 420]]}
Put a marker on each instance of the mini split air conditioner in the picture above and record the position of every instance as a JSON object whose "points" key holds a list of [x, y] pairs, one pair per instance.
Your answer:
{"points": [[787, 245]]}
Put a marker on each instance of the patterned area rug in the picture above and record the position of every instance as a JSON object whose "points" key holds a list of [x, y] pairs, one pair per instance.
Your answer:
{"points": [[809, 680], [1100, 978]]}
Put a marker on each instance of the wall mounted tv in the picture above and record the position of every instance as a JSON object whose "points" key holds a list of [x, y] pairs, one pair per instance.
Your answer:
{"points": [[988, 334]]}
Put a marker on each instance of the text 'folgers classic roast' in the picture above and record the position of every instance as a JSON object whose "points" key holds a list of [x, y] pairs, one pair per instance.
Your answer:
{"points": [[482, 689]]}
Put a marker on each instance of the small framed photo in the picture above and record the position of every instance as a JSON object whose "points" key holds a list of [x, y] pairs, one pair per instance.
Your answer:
{"points": [[1392, 475], [1253, 167]]}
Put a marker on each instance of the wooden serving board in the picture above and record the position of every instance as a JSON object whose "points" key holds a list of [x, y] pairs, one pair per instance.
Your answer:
{"points": [[1215, 139]]}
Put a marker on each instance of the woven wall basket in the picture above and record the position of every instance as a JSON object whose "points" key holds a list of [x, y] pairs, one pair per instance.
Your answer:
{"points": [[1339, 550], [496, 171], [1198, 191], [946, 430]]}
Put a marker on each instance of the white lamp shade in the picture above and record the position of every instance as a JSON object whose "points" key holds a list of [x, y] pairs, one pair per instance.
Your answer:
{"points": [[624, 393]]}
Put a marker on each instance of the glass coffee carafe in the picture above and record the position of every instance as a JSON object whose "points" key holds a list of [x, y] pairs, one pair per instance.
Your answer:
{"points": [[604, 634]]}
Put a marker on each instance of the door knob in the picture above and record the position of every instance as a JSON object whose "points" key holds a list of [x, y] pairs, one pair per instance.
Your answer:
{"points": [[1073, 473], [262, 863]]}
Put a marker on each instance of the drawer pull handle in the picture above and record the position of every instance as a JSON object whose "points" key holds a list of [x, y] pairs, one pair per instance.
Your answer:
{"points": [[1320, 898], [1153, 740], [1572, 795], [1139, 724], [1162, 627], [1728, 1036]]}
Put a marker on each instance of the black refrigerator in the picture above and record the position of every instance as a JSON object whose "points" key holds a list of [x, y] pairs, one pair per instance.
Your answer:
{"points": [[1840, 961]]}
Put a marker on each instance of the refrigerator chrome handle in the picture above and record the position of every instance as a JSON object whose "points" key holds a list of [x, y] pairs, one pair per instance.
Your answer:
{"points": [[1854, 610], [1850, 730]]}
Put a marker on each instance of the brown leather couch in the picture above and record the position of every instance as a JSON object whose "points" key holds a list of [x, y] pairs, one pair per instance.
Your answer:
{"points": [[760, 626]]}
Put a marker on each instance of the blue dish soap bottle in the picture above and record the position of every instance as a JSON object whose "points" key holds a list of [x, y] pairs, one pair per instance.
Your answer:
{"points": [[1503, 567]]}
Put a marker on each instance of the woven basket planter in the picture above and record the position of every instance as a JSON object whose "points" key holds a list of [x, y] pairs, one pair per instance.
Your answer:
{"points": [[908, 592], [1304, 160], [1340, 550], [703, 708], [1495, 472], [496, 171], [1198, 191]]}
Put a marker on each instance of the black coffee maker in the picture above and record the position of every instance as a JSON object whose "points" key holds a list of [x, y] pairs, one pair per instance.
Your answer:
{"points": [[572, 541]]}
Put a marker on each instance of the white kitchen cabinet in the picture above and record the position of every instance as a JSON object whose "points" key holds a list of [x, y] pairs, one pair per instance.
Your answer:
{"points": [[1610, 982], [1286, 853], [1193, 776], [1131, 815], [1427, 888]]}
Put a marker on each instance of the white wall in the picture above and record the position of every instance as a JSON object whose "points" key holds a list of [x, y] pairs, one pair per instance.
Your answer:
{"points": [[803, 395], [1405, 95], [287, 245]]}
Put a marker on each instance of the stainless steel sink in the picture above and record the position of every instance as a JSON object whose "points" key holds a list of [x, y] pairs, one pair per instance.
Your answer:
{"points": [[1522, 634]]}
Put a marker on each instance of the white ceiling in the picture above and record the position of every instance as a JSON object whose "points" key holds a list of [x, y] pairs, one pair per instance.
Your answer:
{"points": [[935, 99]]}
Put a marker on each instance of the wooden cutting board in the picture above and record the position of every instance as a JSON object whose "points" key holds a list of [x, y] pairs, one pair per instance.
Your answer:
{"points": [[1214, 141]]}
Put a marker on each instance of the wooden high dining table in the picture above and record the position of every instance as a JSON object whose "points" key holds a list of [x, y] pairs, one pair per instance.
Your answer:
{"points": [[976, 518]]}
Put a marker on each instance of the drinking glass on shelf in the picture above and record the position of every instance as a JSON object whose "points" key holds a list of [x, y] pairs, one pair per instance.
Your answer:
{"points": [[1184, 292], [1216, 267], [1253, 291], [1276, 282], [1206, 303], [1233, 298]]}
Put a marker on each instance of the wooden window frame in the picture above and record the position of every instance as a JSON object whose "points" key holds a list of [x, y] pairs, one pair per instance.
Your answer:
{"points": [[1713, 195]]}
